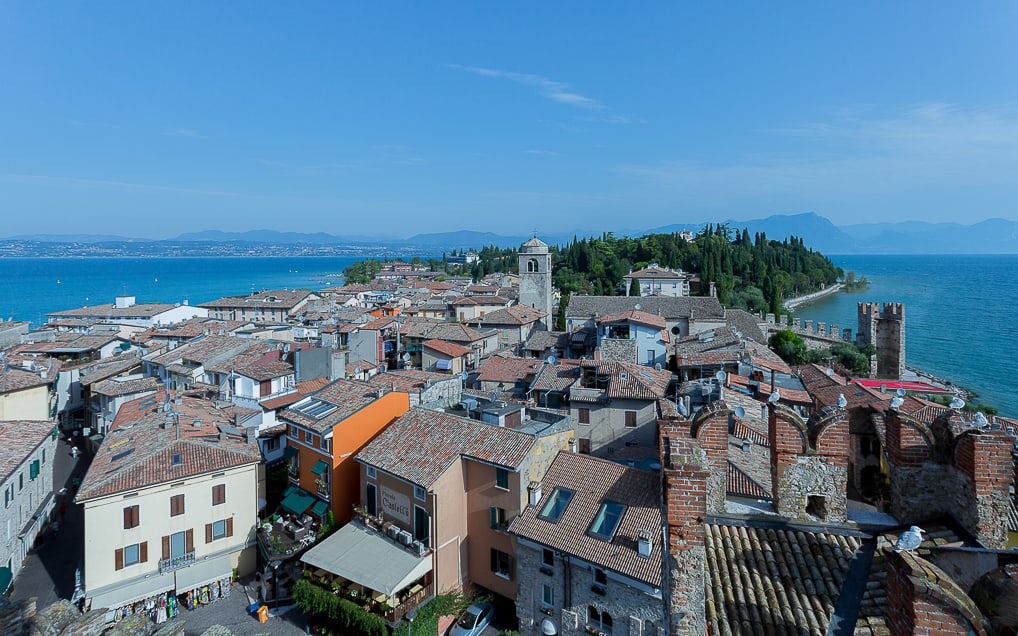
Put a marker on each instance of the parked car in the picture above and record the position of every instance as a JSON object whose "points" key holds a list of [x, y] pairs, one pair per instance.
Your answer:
{"points": [[473, 620]]}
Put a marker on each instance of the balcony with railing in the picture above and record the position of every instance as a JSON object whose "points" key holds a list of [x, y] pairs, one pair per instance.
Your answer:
{"points": [[176, 563]]}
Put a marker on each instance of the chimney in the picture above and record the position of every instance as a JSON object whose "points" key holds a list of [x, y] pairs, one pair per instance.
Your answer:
{"points": [[643, 543], [534, 493]]}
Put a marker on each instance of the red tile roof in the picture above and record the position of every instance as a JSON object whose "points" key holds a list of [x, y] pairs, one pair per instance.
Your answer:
{"points": [[20, 437], [448, 348], [422, 444]]}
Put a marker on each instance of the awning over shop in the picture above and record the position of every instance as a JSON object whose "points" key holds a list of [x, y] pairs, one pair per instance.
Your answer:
{"points": [[6, 576], [319, 509], [358, 555], [445, 365], [320, 467], [298, 501], [203, 573], [130, 591]]}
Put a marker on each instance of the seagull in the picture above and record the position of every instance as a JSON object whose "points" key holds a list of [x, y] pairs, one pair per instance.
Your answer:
{"points": [[682, 408], [909, 540], [775, 396], [842, 402], [957, 403], [896, 402], [980, 420]]}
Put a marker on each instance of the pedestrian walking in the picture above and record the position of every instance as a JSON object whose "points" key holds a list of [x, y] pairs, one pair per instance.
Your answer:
{"points": [[74, 452]]}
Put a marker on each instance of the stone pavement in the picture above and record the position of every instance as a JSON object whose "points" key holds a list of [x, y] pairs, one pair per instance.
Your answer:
{"points": [[232, 614], [48, 572]]}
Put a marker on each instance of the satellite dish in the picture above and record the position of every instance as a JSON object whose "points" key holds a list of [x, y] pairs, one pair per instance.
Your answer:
{"points": [[637, 307], [774, 397], [657, 366], [900, 393], [551, 359], [357, 371], [738, 334], [740, 412], [957, 403], [721, 376], [406, 357], [829, 372]]}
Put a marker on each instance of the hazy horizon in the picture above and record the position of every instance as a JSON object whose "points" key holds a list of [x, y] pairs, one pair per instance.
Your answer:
{"points": [[149, 120]]}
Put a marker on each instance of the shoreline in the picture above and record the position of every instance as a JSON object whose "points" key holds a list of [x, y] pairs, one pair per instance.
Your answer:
{"points": [[792, 303]]}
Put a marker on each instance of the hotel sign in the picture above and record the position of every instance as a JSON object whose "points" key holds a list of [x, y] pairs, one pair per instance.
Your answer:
{"points": [[395, 504]]}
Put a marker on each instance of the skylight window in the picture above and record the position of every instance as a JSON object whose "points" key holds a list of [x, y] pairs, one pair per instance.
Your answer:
{"points": [[315, 408], [556, 505], [607, 520]]}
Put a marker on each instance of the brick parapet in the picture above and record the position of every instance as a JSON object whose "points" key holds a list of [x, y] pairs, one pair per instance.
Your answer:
{"points": [[922, 599]]}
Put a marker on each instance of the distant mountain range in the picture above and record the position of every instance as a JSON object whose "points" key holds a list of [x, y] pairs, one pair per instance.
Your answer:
{"points": [[993, 236]]}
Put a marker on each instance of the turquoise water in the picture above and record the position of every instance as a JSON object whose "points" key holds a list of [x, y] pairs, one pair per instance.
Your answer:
{"points": [[959, 315], [33, 287]]}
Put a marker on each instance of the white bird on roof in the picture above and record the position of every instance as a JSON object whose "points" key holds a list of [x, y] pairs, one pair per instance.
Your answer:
{"points": [[957, 403], [896, 402], [775, 396], [909, 540], [842, 401]]}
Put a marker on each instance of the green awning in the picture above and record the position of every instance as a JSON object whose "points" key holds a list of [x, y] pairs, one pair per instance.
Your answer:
{"points": [[320, 467], [298, 501], [6, 576], [319, 509], [289, 452], [290, 490]]}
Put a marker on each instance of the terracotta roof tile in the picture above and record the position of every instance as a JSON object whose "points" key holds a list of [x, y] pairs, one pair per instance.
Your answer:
{"points": [[20, 437], [448, 348], [421, 445], [593, 481]]}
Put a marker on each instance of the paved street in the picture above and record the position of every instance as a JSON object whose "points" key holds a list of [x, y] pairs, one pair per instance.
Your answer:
{"points": [[48, 572]]}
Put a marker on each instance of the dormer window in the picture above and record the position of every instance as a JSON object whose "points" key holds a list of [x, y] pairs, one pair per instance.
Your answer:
{"points": [[607, 520], [556, 505]]}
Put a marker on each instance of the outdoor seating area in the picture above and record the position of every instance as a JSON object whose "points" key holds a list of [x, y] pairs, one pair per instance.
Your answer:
{"points": [[284, 535], [392, 608]]}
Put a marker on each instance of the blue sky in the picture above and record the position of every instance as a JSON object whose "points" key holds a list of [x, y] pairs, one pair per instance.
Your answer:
{"points": [[387, 119]]}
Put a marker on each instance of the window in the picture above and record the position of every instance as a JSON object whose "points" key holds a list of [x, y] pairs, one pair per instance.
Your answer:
{"points": [[600, 576], [556, 505], [420, 493], [502, 478], [583, 414], [548, 557], [607, 520], [178, 544], [44, 455], [496, 517], [131, 517], [218, 494], [422, 525], [327, 444], [21, 481], [33, 470], [8, 496], [599, 621], [630, 419], [371, 472], [130, 555], [272, 444], [547, 595], [176, 505], [501, 564], [218, 529]]}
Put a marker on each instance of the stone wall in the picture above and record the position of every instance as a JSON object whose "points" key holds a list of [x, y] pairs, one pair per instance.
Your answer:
{"points": [[619, 349], [633, 612], [809, 464], [922, 599], [685, 473]]}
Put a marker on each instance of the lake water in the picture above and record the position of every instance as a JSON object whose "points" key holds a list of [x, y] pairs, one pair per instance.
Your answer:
{"points": [[959, 309], [959, 313]]}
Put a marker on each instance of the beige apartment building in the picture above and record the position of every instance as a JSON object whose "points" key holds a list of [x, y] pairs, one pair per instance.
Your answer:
{"points": [[170, 501]]}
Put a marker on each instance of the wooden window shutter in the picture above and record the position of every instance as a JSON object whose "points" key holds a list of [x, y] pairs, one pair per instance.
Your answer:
{"points": [[229, 526], [218, 494], [166, 547], [143, 552], [208, 533], [189, 537], [118, 559], [127, 518]]}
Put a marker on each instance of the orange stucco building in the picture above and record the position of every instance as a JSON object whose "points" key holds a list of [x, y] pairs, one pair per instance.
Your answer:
{"points": [[325, 431]]}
